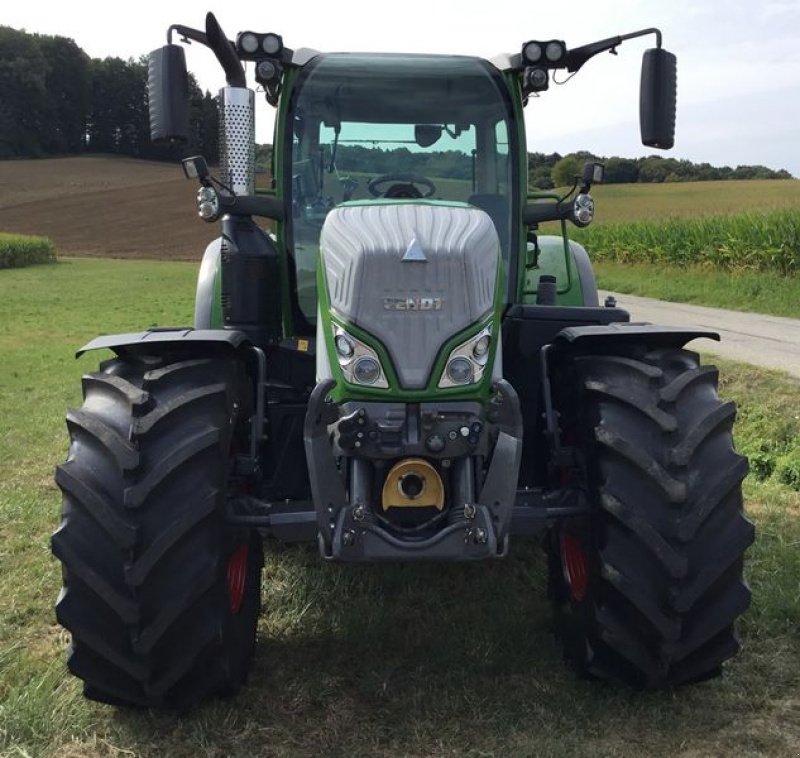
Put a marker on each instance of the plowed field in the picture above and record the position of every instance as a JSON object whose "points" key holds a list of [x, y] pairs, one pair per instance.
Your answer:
{"points": [[102, 206]]}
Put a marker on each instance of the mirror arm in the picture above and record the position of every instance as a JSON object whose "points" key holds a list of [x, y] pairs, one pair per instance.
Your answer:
{"points": [[252, 205], [214, 39], [223, 48], [187, 34], [537, 213], [579, 55]]}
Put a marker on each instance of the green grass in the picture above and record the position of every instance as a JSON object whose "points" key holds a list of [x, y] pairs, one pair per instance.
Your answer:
{"points": [[756, 292], [18, 250], [351, 661]]}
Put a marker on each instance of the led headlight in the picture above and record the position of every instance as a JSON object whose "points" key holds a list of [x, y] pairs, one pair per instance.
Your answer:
{"points": [[583, 209], [554, 51], [208, 204], [532, 52], [459, 370], [359, 362], [467, 363], [536, 79], [272, 44], [366, 370], [344, 345], [267, 70], [248, 42], [481, 347]]}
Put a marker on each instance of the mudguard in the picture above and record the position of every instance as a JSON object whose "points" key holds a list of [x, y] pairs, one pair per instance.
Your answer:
{"points": [[624, 332], [162, 337], [207, 308], [552, 261]]}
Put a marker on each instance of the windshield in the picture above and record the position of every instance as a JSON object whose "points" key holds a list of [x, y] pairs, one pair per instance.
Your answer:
{"points": [[394, 126]]}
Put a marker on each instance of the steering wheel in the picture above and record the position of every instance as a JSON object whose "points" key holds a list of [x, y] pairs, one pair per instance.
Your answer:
{"points": [[402, 186]]}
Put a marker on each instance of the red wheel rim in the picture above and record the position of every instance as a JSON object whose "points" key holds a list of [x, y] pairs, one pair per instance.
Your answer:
{"points": [[576, 566], [237, 577]]}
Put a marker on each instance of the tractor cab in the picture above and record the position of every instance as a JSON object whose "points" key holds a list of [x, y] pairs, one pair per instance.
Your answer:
{"points": [[429, 128]]}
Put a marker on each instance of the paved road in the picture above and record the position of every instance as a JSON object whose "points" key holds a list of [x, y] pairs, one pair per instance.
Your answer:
{"points": [[769, 341]]}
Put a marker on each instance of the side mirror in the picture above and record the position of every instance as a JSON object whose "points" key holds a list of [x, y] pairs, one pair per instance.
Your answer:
{"points": [[657, 98], [426, 135], [196, 167], [168, 95]]}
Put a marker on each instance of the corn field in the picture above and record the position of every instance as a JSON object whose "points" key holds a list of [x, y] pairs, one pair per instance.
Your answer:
{"points": [[748, 241], [20, 250]]}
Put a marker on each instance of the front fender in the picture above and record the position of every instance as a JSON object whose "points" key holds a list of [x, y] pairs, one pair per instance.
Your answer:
{"points": [[161, 338], [625, 333], [207, 303]]}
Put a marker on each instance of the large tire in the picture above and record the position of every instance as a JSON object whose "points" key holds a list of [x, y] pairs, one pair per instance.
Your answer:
{"points": [[160, 596], [650, 586]]}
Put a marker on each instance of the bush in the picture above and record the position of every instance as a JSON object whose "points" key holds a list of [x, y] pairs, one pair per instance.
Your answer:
{"points": [[788, 469], [17, 250]]}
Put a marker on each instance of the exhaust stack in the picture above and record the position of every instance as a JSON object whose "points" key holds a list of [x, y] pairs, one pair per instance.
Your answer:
{"points": [[237, 139]]}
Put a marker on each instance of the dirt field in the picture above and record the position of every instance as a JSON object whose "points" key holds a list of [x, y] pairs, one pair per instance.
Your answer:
{"points": [[103, 206]]}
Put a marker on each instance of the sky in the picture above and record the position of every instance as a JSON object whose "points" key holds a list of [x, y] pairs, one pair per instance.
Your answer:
{"points": [[738, 60]]}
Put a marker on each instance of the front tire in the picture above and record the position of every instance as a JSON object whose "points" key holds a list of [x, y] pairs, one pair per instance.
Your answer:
{"points": [[650, 586], [161, 597]]}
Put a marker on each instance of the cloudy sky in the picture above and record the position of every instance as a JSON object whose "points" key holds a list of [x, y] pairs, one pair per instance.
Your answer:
{"points": [[738, 61]]}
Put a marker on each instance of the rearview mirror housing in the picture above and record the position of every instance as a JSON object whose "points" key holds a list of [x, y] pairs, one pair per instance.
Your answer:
{"points": [[168, 95], [657, 98], [426, 135]]}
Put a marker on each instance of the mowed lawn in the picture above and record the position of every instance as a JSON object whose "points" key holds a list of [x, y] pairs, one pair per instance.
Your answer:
{"points": [[352, 661]]}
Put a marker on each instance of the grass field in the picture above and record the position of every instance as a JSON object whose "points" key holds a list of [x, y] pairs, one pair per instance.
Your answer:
{"points": [[388, 661], [756, 292]]}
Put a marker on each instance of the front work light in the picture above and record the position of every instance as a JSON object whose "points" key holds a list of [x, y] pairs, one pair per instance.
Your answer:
{"points": [[583, 209], [248, 42], [272, 44], [532, 52], [555, 51], [550, 53], [536, 79]]}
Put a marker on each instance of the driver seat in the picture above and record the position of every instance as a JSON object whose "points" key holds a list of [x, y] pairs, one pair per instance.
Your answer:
{"points": [[403, 191]]}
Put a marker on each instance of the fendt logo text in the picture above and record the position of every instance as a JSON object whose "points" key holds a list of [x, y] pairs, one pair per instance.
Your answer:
{"points": [[413, 303]]}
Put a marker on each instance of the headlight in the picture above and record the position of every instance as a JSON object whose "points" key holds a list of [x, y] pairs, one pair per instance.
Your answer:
{"points": [[459, 370], [366, 370], [583, 209], [467, 363], [359, 362], [344, 346], [481, 346]]}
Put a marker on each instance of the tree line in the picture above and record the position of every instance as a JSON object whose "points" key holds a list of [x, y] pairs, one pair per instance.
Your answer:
{"points": [[56, 100], [546, 171]]}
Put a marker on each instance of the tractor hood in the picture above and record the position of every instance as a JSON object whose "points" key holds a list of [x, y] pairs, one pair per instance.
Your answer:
{"points": [[411, 274]]}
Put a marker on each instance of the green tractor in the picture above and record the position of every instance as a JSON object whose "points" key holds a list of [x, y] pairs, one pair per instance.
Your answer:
{"points": [[402, 369]]}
